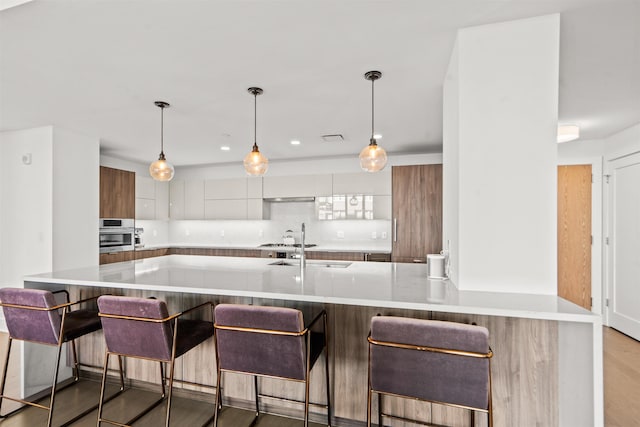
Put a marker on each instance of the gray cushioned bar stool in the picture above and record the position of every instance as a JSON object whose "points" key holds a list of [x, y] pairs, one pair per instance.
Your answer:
{"points": [[34, 315], [142, 328], [436, 361], [269, 342]]}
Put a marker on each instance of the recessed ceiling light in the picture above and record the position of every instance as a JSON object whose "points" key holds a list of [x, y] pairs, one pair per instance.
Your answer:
{"points": [[377, 136], [295, 142], [225, 148], [568, 133]]}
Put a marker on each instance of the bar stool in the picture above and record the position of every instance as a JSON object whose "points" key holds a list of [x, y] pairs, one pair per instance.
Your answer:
{"points": [[436, 361], [142, 328], [33, 315], [268, 342]]}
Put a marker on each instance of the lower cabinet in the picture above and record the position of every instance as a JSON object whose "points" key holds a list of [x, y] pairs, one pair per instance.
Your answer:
{"points": [[335, 256], [150, 253], [253, 253], [112, 257]]}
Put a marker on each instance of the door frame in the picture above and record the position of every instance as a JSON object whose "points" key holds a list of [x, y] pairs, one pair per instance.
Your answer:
{"points": [[597, 246], [608, 228]]}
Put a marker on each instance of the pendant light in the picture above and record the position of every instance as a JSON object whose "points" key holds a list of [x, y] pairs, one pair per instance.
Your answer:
{"points": [[161, 170], [255, 163], [373, 158]]}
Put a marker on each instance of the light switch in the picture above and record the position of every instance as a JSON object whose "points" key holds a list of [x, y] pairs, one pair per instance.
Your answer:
{"points": [[374, 235], [384, 235], [340, 234]]}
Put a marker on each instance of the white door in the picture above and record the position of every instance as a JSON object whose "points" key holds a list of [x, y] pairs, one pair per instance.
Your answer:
{"points": [[624, 245]]}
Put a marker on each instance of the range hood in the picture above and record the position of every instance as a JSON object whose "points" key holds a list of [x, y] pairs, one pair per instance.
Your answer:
{"points": [[290, 199]]}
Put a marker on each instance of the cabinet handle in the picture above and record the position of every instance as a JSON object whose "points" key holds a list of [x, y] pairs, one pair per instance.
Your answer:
{"points": [[395, 229]]}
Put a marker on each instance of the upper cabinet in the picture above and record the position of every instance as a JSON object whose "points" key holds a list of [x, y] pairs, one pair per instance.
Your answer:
{"points": [[152, 199], [358, 195], [417, 212], [186, 199], [117, 193], [235, 198], [378, 183], [296, 186]]}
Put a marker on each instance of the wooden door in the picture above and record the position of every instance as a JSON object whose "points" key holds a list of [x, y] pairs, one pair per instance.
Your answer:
{"points": [[417, 212], [574, 234], [624, 245]]}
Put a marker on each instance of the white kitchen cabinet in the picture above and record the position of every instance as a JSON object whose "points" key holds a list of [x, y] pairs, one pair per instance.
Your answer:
{"points": [[145, 187], [378, 183], [176, 199], [152, 199], [145, 208], [162, 200], [296, 186], [254, 187], [194, 199], [225, 209], [254, 208], [225, 189], [382, 207]]}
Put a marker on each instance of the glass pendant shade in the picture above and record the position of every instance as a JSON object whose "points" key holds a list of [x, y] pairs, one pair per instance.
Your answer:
{"points": [[373, 158], [255, 163], [161, 170]]}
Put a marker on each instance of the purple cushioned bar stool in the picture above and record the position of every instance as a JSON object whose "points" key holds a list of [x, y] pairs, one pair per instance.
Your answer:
{"points": [[436, 361], [270, 342], [142, 328], [33, 315]]}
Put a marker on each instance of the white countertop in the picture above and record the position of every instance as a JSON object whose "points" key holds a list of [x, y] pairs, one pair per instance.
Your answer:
{"points": [[374, 284]]}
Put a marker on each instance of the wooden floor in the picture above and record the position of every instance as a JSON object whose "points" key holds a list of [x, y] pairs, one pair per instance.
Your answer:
{"points": [[621, 380], [621, 395]]}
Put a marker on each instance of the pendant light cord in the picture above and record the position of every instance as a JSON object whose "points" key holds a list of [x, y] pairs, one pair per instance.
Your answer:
{"points": [[255, 118], [372, 108], [161, 130]]}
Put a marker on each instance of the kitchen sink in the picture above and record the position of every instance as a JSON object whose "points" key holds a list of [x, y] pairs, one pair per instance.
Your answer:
{"points": [[324, 264]]}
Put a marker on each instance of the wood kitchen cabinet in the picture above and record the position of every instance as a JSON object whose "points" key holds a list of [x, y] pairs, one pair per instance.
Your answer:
{"points": [[112, 257], [335, 255], [151, 253], [252, 253], [417, 212], [117, 193]]}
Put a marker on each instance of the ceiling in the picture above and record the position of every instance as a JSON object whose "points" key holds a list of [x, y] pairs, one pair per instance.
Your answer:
{"points": [[97, 66]]}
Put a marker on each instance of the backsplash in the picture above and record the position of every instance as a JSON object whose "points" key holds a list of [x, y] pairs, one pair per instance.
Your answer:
{"points": [[336, 234]]}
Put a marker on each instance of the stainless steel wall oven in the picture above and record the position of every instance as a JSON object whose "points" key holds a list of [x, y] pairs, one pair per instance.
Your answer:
{"points": [[116, 235]]}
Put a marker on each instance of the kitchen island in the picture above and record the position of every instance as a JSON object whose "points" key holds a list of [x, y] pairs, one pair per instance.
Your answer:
{"points": [[547, 368]]}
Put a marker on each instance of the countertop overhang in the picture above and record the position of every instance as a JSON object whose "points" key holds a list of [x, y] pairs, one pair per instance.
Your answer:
{"points": [[391, 285]]}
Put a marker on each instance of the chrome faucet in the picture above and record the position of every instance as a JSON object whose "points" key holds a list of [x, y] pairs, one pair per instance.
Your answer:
{"points": [[303, 258]]}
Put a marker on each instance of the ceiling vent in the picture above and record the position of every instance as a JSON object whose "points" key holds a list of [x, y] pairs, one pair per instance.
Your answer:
{"points": [[333, 138]]}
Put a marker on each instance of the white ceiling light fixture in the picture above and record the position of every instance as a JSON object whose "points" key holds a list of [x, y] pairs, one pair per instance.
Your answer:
{"points": [[161, 170], [568, 133], [225, 148], [255, 163], [373, 158], [295, 142]]}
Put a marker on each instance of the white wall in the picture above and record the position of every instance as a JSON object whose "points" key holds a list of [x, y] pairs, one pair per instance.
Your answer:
{"points": [[49, 188], [623, 143], [26, 191], [507, 118], [76, 199], [451, 161]]}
